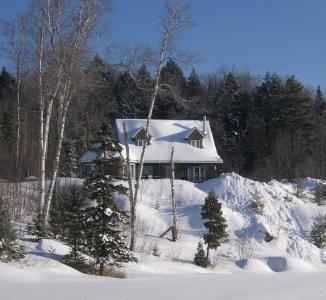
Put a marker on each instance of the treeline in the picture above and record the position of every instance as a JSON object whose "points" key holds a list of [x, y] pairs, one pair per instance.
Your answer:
{"points": [[265, 128]]}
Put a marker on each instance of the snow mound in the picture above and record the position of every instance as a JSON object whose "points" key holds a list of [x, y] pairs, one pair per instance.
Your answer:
{"points": [[253, 265]]}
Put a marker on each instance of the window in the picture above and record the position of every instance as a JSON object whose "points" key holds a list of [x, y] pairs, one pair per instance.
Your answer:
{"points": [[147, 171], [196, 143], [196, 173], [140, 143], [88, 169], [132, 171]]}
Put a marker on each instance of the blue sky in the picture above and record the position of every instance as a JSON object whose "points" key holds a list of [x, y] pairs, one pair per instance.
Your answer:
{"points": [[286, 36]]}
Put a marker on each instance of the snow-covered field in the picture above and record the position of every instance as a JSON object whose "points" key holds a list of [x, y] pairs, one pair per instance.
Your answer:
{"points": [[288, 267]]}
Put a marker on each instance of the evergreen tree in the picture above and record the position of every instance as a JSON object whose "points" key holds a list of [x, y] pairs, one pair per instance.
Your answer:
{"points": [[194, 87], [268, 100], [69, 162], [7, 127], [74, 222], [105, 242], [214, 222], [57, 214], [318, 232], [297, 122], [174, 82], [320, 194], [200, 258], [9, 249], [38, 228]]}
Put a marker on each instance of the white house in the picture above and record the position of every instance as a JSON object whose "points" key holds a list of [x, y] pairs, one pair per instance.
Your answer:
{"points": [[195, 155]]}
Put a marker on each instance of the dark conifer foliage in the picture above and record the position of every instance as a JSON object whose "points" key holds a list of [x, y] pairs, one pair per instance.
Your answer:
{"points": [[9, 249], [38, 228], [105, 241], [200, 258], [74, 225], [214, 222], [269, 127], [69, 160]]}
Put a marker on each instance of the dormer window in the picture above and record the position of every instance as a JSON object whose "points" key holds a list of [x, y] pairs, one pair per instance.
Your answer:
{"points": [[140, 143], [195, 143], [195, 138], [139, 137]]}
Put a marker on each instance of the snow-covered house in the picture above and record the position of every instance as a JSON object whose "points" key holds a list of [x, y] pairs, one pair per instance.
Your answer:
{"points": [[195, 155]]}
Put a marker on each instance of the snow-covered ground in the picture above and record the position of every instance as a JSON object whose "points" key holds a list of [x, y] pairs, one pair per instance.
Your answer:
{"points": [[288, 267]]}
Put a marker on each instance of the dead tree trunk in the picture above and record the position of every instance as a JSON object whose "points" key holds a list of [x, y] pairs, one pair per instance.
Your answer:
{"points": [[173, 202], [131, 192]]}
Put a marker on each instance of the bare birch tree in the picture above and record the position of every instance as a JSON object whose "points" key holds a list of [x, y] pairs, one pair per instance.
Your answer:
{"points": [[173, 22], [61, 31]]}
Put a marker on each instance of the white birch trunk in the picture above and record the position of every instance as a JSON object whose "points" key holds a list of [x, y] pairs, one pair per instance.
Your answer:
{"points": [[164, 46]]}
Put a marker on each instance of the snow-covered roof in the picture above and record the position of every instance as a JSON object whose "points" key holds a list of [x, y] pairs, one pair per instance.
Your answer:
{"points": [[187, 135], [165, 134]]}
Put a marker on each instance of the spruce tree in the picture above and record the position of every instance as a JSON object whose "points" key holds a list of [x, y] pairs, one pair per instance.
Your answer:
{"points": [[318, 232], [214, 222], [320, 194], [200, 258], [194, 87], [105, 241], [74, 223], [9, 249], [57, 214], [69, 163], [38, 228]]}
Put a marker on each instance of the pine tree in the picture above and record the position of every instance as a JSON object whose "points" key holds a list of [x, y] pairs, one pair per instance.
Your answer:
{"points": [[200, 258], [7, 127], [9, 249], [74, 223], [69, 163], [320, 194], [194, 87], [318, 232], [57, 214], [38, 228], [214, 222], [105, 242]]}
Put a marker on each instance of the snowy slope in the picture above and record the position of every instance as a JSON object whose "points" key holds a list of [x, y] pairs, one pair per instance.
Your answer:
{"points": [[288, 222], [289, 267]]}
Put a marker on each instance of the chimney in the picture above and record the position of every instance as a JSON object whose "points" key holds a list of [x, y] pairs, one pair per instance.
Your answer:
{"points": [[204, 125]]}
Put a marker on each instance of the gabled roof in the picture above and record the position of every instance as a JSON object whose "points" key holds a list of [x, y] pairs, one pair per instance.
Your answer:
{"points": [[140, 129], [165, 134], [188, 134]]}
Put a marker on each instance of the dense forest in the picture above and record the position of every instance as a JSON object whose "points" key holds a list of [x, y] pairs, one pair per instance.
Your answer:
{"points": [[55, 92], [272, 127]]}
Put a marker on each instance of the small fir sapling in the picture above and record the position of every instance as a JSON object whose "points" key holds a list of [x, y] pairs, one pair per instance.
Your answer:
{"points": [[214, 222], [200, 258], [156, 251], [38, 228], [318, 232], [257, 204], [9, 248], [74, 222]]}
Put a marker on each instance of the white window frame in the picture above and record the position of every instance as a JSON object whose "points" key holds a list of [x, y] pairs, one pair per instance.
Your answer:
{"points": [[195, 143], [140, 143]]}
